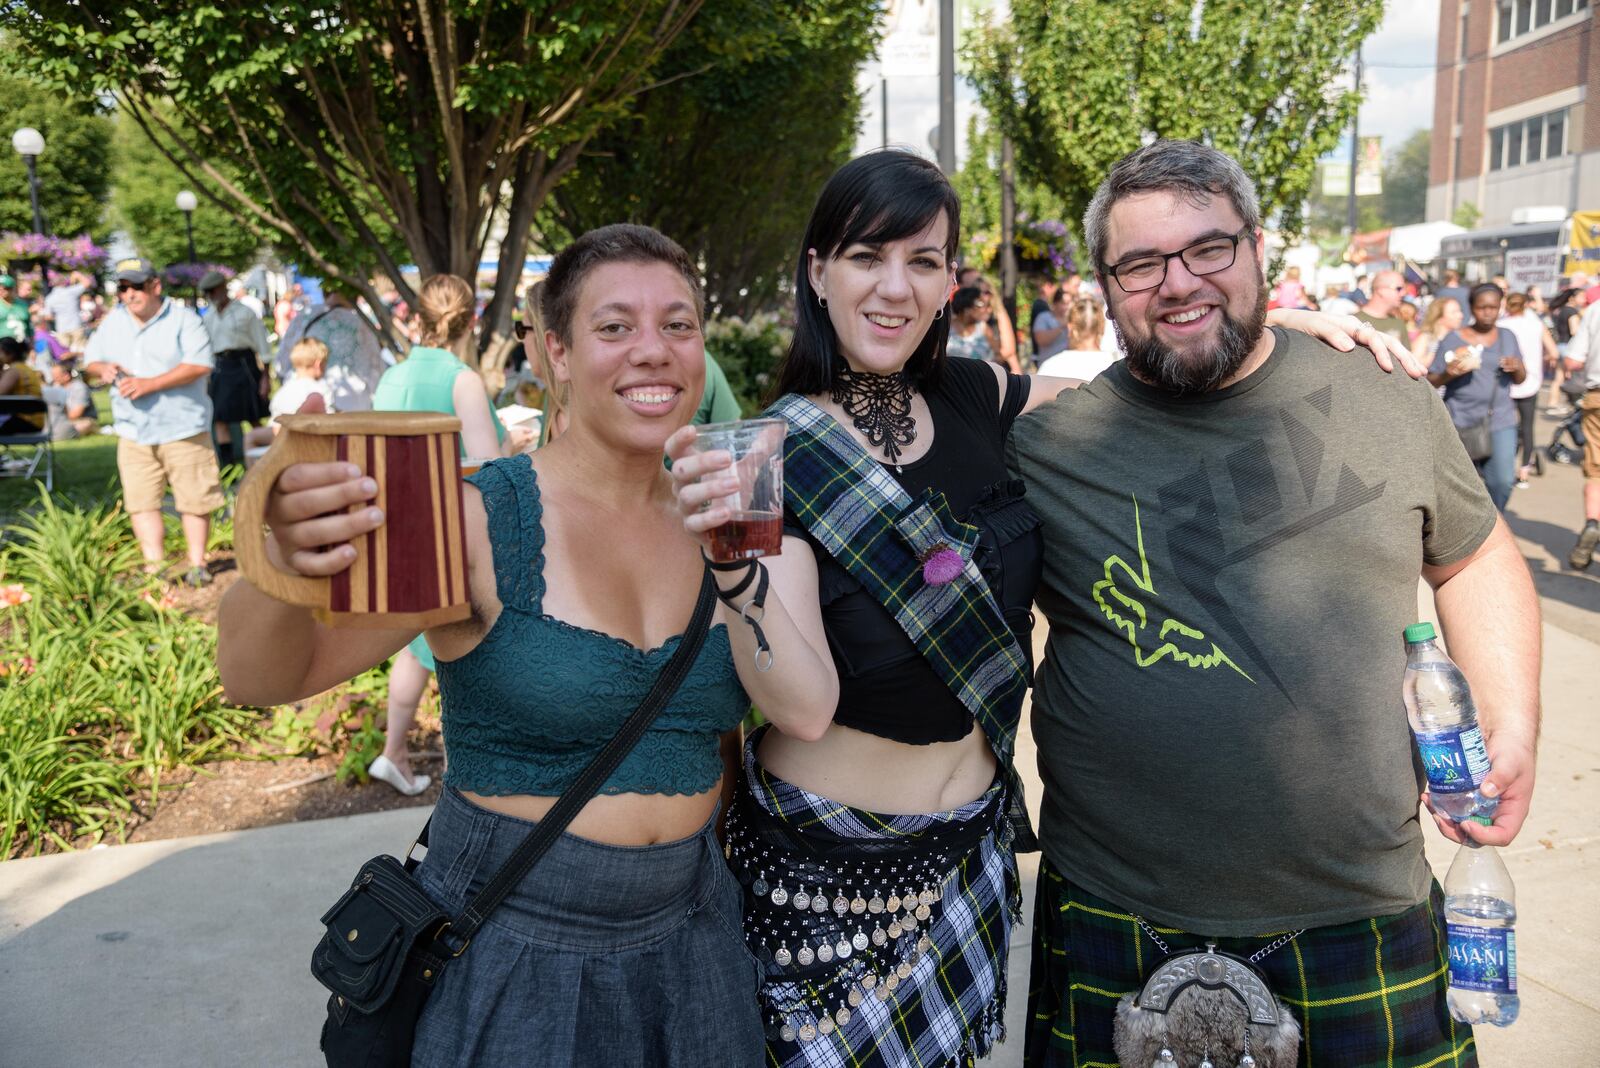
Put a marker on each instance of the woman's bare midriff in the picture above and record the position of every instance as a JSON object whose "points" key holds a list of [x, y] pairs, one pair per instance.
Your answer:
{"points": [[865, 771], [616, 819]]}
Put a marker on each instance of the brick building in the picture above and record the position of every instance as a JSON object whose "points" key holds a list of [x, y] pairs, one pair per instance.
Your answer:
{"points": [[1513, 126]]}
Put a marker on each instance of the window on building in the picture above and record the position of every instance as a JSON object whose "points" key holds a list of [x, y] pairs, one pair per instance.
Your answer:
{"points": [[1528, 140], [1517, 17]]}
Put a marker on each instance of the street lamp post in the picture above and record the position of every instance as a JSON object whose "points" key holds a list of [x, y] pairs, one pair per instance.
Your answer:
{"points": [[29, 144], [187, 202]]}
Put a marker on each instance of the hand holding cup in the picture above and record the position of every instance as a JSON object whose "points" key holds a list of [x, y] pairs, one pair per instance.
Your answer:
{"points": [[728, 478]]}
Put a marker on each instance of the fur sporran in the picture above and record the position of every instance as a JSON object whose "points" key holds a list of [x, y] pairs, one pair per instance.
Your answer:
{"points": [[1205, 1009]]}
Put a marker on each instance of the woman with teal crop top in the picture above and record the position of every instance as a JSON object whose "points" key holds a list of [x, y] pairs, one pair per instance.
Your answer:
{"points": [[623, 946], [432, 378]]}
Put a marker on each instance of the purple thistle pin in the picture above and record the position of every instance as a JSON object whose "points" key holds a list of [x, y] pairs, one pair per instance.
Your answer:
{"points": [[941, 564]]}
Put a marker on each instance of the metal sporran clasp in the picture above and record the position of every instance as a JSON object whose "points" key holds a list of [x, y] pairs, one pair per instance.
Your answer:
{"points": [[1205, 1009]]}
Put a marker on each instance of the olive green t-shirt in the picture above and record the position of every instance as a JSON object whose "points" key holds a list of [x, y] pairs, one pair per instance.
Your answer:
{"points": [[1226, 577], [1392, 325]]}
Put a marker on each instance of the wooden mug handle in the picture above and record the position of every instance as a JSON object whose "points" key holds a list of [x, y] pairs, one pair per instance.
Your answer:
{"points": [[250, 513]]}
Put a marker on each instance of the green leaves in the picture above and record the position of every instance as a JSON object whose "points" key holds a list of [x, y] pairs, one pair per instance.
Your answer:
{"points": [[1079, 85], [727, 157]]}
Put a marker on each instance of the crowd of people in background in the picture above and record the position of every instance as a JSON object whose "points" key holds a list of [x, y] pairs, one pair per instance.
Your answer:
{"points": [[1492, 352]]}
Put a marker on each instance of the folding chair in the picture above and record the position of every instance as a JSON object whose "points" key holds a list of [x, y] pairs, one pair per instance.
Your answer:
{"points": [[39, 441]]}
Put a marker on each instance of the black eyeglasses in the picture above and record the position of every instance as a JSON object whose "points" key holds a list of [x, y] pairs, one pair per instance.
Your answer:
{"points": [[520, 329], [1205, 257], [123, 287]]}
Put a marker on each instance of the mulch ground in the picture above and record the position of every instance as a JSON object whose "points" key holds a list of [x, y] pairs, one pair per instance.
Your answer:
{"points": [[234, 795], [238, 794]]}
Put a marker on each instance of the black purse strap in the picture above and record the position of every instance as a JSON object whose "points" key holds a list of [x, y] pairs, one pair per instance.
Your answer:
{"points": [[459, 932]]}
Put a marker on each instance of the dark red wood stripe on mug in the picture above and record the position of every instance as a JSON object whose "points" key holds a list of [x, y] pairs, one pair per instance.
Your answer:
{"points": [[372, 536], [413, 570], [339, 595]]}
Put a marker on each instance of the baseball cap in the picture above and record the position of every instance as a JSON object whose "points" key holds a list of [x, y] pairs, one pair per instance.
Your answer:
{"points": [[137, 270], [211, 280]]}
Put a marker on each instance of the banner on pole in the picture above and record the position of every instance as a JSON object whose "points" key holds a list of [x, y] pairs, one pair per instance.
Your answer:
{"points": [[1369, 167], [1335, 179], [910, 47]]}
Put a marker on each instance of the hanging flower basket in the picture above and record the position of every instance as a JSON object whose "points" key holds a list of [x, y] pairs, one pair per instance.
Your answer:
{"points": [[188, 275], [62, 253], [1042, 247]]}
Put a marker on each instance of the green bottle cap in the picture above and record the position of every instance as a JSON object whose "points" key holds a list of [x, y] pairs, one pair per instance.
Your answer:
{"points": [[1483, 820], [1419, 632]]}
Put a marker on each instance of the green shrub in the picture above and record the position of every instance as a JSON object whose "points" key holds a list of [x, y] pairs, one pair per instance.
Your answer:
{"points": [[106, 690], [749, 351], [55, 776]]}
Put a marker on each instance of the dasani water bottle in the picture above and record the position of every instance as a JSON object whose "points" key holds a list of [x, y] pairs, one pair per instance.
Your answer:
{"points": [[1444, 722], [1480, 912]]}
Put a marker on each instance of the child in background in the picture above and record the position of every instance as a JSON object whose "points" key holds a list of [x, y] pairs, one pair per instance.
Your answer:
{"points": [[309, 358], [1290, 292]]}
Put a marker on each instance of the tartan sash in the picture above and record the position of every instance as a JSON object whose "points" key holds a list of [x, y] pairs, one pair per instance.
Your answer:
{"points": [[878, 533]]}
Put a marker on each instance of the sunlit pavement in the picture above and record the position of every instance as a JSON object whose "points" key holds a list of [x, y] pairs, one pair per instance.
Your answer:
{"points": [[197, 951]]}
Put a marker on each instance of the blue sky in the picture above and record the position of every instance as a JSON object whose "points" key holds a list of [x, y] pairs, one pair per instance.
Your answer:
{"points": [[1399, 81]]}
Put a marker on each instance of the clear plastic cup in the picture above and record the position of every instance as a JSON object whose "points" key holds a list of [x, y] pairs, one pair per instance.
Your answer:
{"points": [[756, 528]]}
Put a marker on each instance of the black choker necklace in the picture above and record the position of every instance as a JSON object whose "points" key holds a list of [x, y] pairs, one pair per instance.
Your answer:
{"points": [[880, 407]]}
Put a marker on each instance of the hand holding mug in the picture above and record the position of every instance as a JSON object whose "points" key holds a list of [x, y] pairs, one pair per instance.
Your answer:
{"points": [[313, 512]]}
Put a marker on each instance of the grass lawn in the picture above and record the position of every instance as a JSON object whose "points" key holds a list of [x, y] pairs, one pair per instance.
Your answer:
{"points": [[85, 469]]}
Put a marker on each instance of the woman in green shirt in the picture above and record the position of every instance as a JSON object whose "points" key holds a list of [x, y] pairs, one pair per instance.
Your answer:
{"points": [[433, 378]]}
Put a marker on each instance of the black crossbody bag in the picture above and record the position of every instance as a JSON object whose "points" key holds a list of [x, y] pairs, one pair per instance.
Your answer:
{"points": [[387, 943]]}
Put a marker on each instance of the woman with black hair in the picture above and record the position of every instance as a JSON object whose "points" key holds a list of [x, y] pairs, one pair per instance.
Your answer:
{"points": [[1477, 365], [971, 335], [877, 848]]}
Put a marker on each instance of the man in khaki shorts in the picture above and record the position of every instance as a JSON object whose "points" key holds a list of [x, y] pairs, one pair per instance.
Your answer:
{"points": [[156, 353], [1583, 359]]}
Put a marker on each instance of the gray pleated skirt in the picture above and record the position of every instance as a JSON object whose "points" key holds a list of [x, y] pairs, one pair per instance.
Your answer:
{"points": [[607, 955]]}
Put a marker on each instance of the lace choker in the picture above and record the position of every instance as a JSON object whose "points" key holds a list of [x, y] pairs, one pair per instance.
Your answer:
{"points": [[880, 407]]}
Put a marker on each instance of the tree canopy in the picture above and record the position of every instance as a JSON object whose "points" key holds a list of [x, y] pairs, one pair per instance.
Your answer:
{"points": [[74, 169], [729, 162], [144, 183], [1078, 86], [371, 132]]}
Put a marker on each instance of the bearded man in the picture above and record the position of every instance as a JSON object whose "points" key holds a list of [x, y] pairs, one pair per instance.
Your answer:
{"points": [[1231, 554]]}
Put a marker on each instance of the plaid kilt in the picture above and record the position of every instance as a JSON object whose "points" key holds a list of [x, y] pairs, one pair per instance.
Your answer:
{"points": [[951, 1009], [1368, 993]]}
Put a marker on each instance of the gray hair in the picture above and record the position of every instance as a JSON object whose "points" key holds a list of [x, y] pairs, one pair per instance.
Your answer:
{"points": [[1196, 172]]}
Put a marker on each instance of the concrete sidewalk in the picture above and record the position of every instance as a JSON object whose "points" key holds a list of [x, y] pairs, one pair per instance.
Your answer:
{"points": [[196, 951]]}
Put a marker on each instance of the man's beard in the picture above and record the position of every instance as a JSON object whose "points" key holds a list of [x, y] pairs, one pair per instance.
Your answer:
{"points": [[1165, 367]]}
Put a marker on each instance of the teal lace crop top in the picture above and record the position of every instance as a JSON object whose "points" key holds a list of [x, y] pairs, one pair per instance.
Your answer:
{"points": [[536, 699]]}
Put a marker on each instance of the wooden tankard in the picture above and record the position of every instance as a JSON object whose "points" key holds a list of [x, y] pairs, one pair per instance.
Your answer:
{"points": [[409, 573]]}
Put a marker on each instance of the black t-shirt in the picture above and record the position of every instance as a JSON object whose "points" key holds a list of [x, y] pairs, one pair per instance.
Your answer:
{"points": [[1040, 307], [1563, 318], [886, 688]]}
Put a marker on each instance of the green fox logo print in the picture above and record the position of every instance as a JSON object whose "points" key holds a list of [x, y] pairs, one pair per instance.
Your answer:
{"points": [[1121, 603]]}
